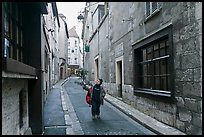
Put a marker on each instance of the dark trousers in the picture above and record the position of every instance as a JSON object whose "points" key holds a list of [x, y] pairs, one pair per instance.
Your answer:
{"points": [[95, 110]]}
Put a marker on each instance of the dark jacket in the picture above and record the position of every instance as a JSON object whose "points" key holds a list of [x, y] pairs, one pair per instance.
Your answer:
{"points": [[98, 94]]}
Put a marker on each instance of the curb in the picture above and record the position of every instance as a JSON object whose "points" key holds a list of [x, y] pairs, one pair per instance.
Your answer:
{"points": [[70, 116], [145, 120]]}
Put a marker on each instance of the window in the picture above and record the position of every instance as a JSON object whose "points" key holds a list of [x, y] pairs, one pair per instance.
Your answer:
{"points": [[13, 35], [68, 44], [101, 12], [106, 6], [150, 8], [69, 50], [153, 65], [46, 61], [75, 51], [69, 60], [75, 43], [75, 60]]}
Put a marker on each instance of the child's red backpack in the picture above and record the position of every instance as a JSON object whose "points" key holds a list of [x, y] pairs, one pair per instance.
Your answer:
{"points": [[88, 96]]}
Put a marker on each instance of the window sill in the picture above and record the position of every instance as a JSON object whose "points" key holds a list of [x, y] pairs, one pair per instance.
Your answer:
{"points": [[14, 66], [154, 94], [17, 75]]}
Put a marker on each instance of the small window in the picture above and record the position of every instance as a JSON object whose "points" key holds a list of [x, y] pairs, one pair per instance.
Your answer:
{"points": [[46, 62], [69, 60], [75, 43], [150, 8], [101, 12], [76, 51], [75, 60]]}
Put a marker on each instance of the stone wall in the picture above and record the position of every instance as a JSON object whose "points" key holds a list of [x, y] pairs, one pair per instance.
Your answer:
{"points": [[11, 89], [188, 58], [186, 20]]}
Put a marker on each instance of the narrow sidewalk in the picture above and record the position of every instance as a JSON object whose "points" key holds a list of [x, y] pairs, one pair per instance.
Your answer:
{"points": [[147, 121], [69, 112]]}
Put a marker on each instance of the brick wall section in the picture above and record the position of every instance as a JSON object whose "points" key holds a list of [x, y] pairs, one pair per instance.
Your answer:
{"points": [[10, 106]]}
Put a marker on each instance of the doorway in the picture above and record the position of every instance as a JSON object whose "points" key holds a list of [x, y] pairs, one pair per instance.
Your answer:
{"points": [[119, 77], [97, 71], [61, 73]]}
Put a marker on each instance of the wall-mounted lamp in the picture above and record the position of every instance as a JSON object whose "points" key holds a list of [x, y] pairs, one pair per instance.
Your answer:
{"points": [[130, 19], [130, 28], [80, 17], [85, 9]]}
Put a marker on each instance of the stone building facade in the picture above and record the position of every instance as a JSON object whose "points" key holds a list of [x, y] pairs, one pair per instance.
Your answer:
{"points": [[29, 64], [21, 69], [74, 51], [50, 32], [149, 54], [63, 45]]}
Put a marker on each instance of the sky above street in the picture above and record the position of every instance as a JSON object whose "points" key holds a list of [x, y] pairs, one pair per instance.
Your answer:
{"points": [[71, 10]]}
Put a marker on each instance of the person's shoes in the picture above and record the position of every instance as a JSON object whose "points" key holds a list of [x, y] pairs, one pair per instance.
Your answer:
{"points": [[97, 116], [93, 117]]}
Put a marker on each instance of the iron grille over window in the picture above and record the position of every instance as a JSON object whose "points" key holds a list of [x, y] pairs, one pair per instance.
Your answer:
{"points": [[153, 65]]}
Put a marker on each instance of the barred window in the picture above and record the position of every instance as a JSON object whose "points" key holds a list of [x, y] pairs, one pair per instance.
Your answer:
{"points": [[13, 31], [153, 67], [154, 72]]}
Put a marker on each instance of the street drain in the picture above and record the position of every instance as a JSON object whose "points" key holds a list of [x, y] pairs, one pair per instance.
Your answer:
{"points": [[58, 126]]}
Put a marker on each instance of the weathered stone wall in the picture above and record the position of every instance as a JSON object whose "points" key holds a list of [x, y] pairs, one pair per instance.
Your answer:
{"points": [[10, 106], [188, 58], [186, 18]]}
